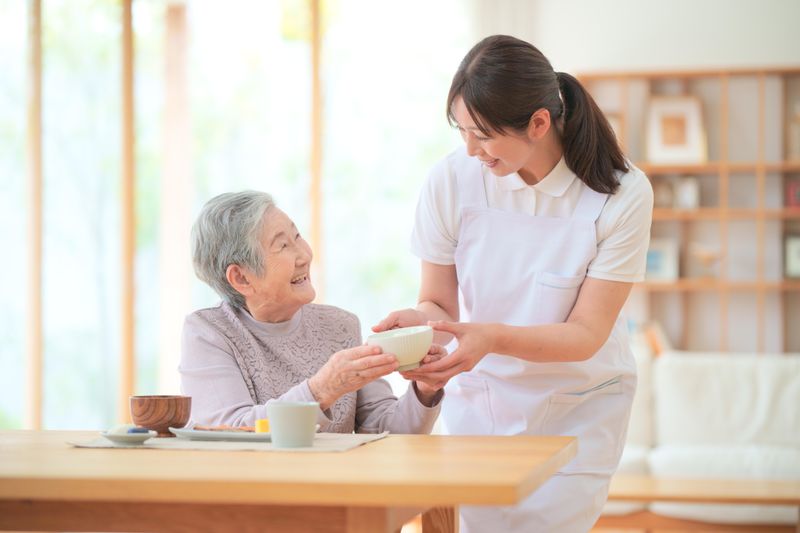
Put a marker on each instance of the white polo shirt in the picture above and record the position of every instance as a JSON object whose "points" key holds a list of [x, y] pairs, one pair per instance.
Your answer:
{"points": [[623, 228]]}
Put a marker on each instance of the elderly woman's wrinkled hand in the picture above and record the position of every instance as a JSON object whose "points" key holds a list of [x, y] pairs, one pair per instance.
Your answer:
{"points": [[349, 370]]}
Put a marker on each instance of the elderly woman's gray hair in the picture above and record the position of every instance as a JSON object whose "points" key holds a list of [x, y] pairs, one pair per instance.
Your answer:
{"points": [[227, 232]]}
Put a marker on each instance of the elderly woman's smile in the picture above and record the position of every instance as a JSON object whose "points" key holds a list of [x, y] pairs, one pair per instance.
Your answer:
{"points": [[299, 280], [284, 286]]}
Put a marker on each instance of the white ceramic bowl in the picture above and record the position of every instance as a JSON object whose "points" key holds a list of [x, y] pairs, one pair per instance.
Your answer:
{"points": [[410, 345]]}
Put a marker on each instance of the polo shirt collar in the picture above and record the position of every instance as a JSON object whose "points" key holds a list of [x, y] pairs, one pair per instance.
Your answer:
{"points": [[555, 183]]}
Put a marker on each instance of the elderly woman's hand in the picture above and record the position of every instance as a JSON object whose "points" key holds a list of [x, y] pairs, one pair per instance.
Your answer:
{"points": [[349, 370]]}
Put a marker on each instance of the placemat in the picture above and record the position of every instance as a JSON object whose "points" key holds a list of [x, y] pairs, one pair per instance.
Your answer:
{"points": [[323, 442]]}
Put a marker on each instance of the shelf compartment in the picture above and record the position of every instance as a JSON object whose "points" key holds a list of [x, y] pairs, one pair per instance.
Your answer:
{"points": [[716, 167], [714, 213], [712, 284]]}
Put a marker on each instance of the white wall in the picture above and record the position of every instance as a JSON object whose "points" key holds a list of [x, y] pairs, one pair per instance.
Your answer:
{"points": [[589, 35]]}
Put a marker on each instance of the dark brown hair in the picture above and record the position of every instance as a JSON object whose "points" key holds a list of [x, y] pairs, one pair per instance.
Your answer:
{"points": [[504, 80]]}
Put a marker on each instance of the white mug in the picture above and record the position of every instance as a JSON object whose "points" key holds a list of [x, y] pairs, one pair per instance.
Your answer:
{"points": [[292, 424]]}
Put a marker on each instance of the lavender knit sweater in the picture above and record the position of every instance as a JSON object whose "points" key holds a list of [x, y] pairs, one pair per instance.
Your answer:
{"points": [[233, 365]]}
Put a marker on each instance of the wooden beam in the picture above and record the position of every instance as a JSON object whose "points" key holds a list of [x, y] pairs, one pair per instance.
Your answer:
{"points": [[649, 521], [128, 218], [34, 343], [702, 73], [169, 517], [315, 193]]}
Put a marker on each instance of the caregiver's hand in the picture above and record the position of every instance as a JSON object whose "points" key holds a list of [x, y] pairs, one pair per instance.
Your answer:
{"points": [[426, 386], [474, 342], [401, 319], [349, 370]]}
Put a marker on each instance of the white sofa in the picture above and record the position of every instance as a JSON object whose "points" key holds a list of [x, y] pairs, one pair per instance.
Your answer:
{"points": [[713, 416]]}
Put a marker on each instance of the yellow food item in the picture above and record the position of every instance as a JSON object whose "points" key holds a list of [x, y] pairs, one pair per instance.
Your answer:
{"points": [[262, 425]]}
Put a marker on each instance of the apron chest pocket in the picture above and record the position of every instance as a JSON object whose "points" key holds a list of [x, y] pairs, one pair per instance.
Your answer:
{"points": [[555, 296]]}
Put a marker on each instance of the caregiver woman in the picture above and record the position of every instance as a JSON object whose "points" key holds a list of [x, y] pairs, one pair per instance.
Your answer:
{"points": [[542, 225]]}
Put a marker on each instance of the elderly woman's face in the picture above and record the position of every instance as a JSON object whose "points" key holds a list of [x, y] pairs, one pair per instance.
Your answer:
{"points": [[287, 256]]}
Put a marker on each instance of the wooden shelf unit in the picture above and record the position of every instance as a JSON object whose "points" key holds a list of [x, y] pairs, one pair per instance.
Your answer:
{"points": [[743, 207]]}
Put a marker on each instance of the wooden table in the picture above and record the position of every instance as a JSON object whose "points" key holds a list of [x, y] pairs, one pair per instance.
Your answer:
{"points": [[47, 485]]}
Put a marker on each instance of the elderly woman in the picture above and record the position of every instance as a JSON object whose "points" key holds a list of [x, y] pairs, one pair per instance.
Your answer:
{"points": [[266, 341]]}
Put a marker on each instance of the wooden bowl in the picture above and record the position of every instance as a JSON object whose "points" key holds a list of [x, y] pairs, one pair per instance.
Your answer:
{"points": [[161, 412]]}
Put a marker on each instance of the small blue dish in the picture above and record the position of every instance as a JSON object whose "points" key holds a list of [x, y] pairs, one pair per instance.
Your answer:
{"points": [[129, 439]]}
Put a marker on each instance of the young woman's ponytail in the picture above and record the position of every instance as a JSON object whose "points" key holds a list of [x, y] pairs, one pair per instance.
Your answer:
{"points": [[590, 147]]}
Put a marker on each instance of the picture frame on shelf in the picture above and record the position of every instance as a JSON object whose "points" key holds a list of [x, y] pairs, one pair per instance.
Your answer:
{"points": [[662, 260], [791, 256], [675, 130]]}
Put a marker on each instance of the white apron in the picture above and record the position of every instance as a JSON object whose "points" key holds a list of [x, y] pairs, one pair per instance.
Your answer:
{"points": [[524, 270]]}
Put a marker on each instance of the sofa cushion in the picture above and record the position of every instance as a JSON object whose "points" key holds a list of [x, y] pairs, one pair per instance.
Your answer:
{"points": [[640, 427], [726, 462], [719, 399], [634, 463]]}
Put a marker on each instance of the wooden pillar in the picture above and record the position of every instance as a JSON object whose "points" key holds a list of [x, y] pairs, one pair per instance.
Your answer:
{"points": [[174, 263], [128, 218], [315, 193], [761, 178], [783, 294], [625, 83], [34, 343], [724, 188]]}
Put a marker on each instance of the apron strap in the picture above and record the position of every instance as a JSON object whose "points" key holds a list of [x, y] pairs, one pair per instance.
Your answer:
{"points": [[590, 204], [471, 183]]}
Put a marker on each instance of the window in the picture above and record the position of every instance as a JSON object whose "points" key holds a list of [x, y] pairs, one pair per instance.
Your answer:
{"points": [[223, 102]]}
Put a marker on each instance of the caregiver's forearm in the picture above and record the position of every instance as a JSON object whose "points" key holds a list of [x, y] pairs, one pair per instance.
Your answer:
{"points": [[433, 311], [549, 343]]}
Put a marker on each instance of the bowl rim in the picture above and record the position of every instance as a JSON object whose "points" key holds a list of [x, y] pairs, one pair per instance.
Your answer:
{"points": [[129, 437], [291, 403], [399, 332], [158, 396]]}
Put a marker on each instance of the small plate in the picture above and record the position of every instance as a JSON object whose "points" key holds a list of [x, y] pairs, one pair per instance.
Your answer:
{"points": [[199, 434], [129, 439]]}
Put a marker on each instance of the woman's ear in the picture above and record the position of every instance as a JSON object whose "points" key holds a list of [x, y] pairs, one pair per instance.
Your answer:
{"points": [[239, 279], [539, 124]]}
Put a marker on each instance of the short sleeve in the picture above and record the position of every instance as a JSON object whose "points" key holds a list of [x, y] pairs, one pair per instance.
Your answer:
{"points": [[435, 234], [623, 231]]}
